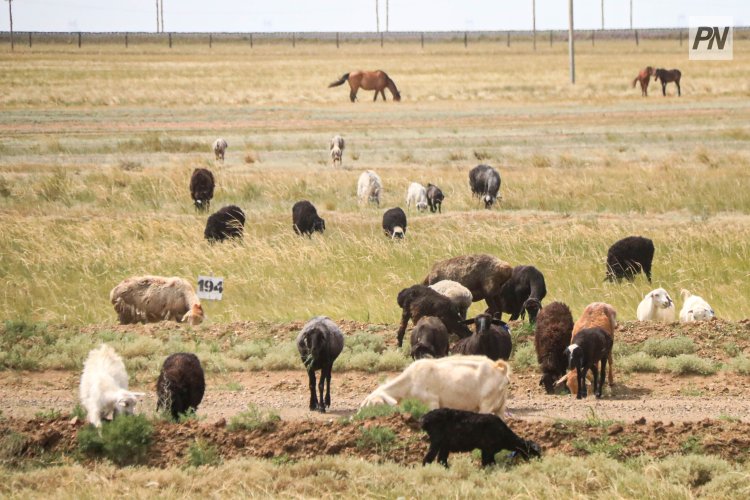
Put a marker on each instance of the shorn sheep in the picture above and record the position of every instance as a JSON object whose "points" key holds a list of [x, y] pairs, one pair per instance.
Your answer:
{"points": [[491, 338], [628, 256], [484, 276], [337, 149], [305, 219], [523, 293], [227, 222], [220, 147], [181, 384], [429, 338], [202, 188], [419, 301], [552, 334], [590, 346], [471, 383], [485, 184], [694, 308], [319, 344], [657, 305], [394, 223], [459, 295], [104, 386], [416, 195], [458, 430], [435, 198], [369, 188], [149, 299]]}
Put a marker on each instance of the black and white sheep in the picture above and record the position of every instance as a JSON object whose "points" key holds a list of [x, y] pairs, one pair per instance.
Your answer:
{"points": [[589, 347], [394, 223], [435, 198], [418, 301], [319, 344], [305, 219], [227, 222], [491, 338], [181, 384], [628, 257], [554, 327], [523, 293], [452, 430], [202, 188], [220, 147], [429, 338], [485, 183]]}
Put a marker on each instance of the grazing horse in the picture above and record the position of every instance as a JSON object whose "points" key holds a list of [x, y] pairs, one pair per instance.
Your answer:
{"points": [[368, 80], [666, 76], [643, 78]]}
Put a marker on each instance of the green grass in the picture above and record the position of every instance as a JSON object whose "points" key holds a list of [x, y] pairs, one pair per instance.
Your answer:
{"points": [[125, 440], [671, 347], [202, 453], [254, 419], [379, 438]]}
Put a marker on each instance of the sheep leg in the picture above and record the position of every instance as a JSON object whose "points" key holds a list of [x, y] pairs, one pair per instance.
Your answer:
{"points": [[581, 375], [611, 378], [321, 386], [488, 457], [443, 455], [328, 385], [431, 454], [313, 395], [599, 381], [402, 327]]}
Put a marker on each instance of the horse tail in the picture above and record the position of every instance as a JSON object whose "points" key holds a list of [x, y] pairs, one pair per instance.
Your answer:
{"points": [[339, 81], [635, 81]]}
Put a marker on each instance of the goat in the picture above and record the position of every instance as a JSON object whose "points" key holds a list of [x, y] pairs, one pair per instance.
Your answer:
{"points": [[319, 344]]}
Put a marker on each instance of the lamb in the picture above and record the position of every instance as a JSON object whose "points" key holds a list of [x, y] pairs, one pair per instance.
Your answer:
{"points": [[418, 301], [220, 147], [435, 198], [491, 338], [459, 295], [554, 329], [369, 188], [694, 308], [589, 347], [471, 383], [337, 149], [457, 430], [149, 299], [523, 292], [485, 183], [202, 188], [484, 276], [628, 256], [319, 344], [305, 219], [429, 339], [394, 223], [104, 386], [657, 305], [181, 384], [416, 195], [227, 222]]}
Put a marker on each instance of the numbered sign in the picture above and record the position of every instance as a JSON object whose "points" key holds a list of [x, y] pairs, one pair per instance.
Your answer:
{"points": [[210, 287]]}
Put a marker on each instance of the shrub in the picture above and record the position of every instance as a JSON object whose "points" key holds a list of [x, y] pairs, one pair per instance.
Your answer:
{"points": [[375, 411], [686, 364], [524, 357], [740, 364], [251, 157], [414, 406], [12, 446], [201, 452], [124, 441], [56, 187], [380, 438], [668, 347], [5, 191], [254, 419], [638, 362], [51, 414]]}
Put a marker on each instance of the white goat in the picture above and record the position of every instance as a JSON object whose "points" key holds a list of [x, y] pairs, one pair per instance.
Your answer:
{"points": [[337, 149], [104, 386], [657, 305], [220, 147], [457, 293], [417, 195], [151, 299], [694, 308], [369, 187]]}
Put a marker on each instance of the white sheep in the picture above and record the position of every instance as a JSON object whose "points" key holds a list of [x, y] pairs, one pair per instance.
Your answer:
{"points": [[471, 383], [694, 308], [457, 293], [104, 386], [416, 195], [657, 305], [151, 299], [220, 147], [337, 149], [369, 187]]}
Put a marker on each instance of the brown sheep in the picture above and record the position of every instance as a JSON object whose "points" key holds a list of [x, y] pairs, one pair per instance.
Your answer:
{"points": [[554, 328], [149, 299]]}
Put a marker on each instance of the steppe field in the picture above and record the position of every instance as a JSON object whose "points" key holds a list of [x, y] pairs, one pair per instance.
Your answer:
{"points": [[97, 146]]}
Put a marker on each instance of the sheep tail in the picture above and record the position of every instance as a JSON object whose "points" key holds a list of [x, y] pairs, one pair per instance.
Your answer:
{"points": [[684, 293], [503, 367], [339, 81]]}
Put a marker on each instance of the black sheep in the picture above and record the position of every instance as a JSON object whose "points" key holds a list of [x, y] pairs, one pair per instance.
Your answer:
{"points": [[429, 339], [418, 301], [227, 222], [202, 188], [554, 327], [394, 223], [181, 384], [435, 198], [458, 430], [491, 338], [485, 183], [589, 347], [523, 292], [305, 219], [627, 257], [319, 344]]}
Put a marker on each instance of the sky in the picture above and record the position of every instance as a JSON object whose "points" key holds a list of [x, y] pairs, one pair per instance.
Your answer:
{"points": [[356, 15]]}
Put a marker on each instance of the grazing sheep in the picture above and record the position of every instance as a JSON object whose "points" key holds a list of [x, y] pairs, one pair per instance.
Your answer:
{"points": [[394, 223], [319, 344], [202, 188], [485, 183], [149, 299], [181, 384], [227, 222], [459, 295], [458, 430], [369, 188], [484, 276], [657, 305], [220, 147], [337, 149], [429, 338], [628, 256], [491, 338], [554, 328], [472, 383], [435, 198], [589, 347], [523, 292], [418, 301], [305, 219], [694, 308], [416, 195], [104, 386]]}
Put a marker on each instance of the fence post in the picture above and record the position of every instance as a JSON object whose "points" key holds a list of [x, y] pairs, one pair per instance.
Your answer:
{"points": [[210, 40], [30, 40], [170, 40], [550, 38], [466, 40], [79, 39], [251, 40], [381, 39], [126, 40], [680, 36], [422, 39], [592, 38], [337, 40], [294, 40], [636, 37], [509, 39]]}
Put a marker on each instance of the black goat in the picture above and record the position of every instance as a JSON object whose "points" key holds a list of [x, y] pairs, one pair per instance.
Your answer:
{"points": [[491, 338], [589, 347], [181, 384], [319, 344], [418, 301], [628, 257], [305, 219], [522, 293], [227, 222], [485, 183], [394, 223], [429, 339], [202, 188], [435, 198]]}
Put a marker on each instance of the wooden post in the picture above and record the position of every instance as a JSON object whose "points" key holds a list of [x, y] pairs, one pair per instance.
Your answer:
{"points": [[636, 38], [381, 39], [126, 40], [550, 38], [294, 40], [337, 40], [79, 39], [170, 40], [251, 40], [10, 20], [210, 40], [422, 39], [680, 36], [571, 43], [533, 21], [508, 44], [466, 39], [30, 40], [592, 38]]}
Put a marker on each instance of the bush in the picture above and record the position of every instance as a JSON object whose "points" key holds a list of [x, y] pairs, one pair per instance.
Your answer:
{"points": [[740, 364], [56, 187], [415, 407], [638, 362], [380, 438], [668, 347], [201, 452], [524, 357], [124, 441], [51, 414], [254, 419], [686, 364], [375, 411]]}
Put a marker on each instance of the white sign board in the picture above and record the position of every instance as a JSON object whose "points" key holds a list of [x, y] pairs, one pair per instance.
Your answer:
{"points": [[210, 287]]}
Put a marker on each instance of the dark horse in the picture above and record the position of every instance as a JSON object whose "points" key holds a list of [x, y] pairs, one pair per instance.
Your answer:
{"points": [[666, 76], [643, 78], [368, 80]]}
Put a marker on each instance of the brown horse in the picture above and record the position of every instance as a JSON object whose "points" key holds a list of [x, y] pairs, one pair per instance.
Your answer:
{"points": [[643, 78], [368, 80], [666, 76]]}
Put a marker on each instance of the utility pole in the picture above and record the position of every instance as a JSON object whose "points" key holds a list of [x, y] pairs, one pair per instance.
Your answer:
{"points": [[386, 14], [10, 17], [533, 21], [602, 14], [631, 14], [157, 16], [571, 48], [161, 11], [377, 17]]}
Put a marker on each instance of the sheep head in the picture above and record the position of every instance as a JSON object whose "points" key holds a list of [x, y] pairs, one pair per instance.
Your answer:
{"points": [[529, 449], [574, 355], [661, 298], [701, 314], [125, 401], [194, 316], [482, 323], [378, 398], [398, 233], [533, 306]]}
